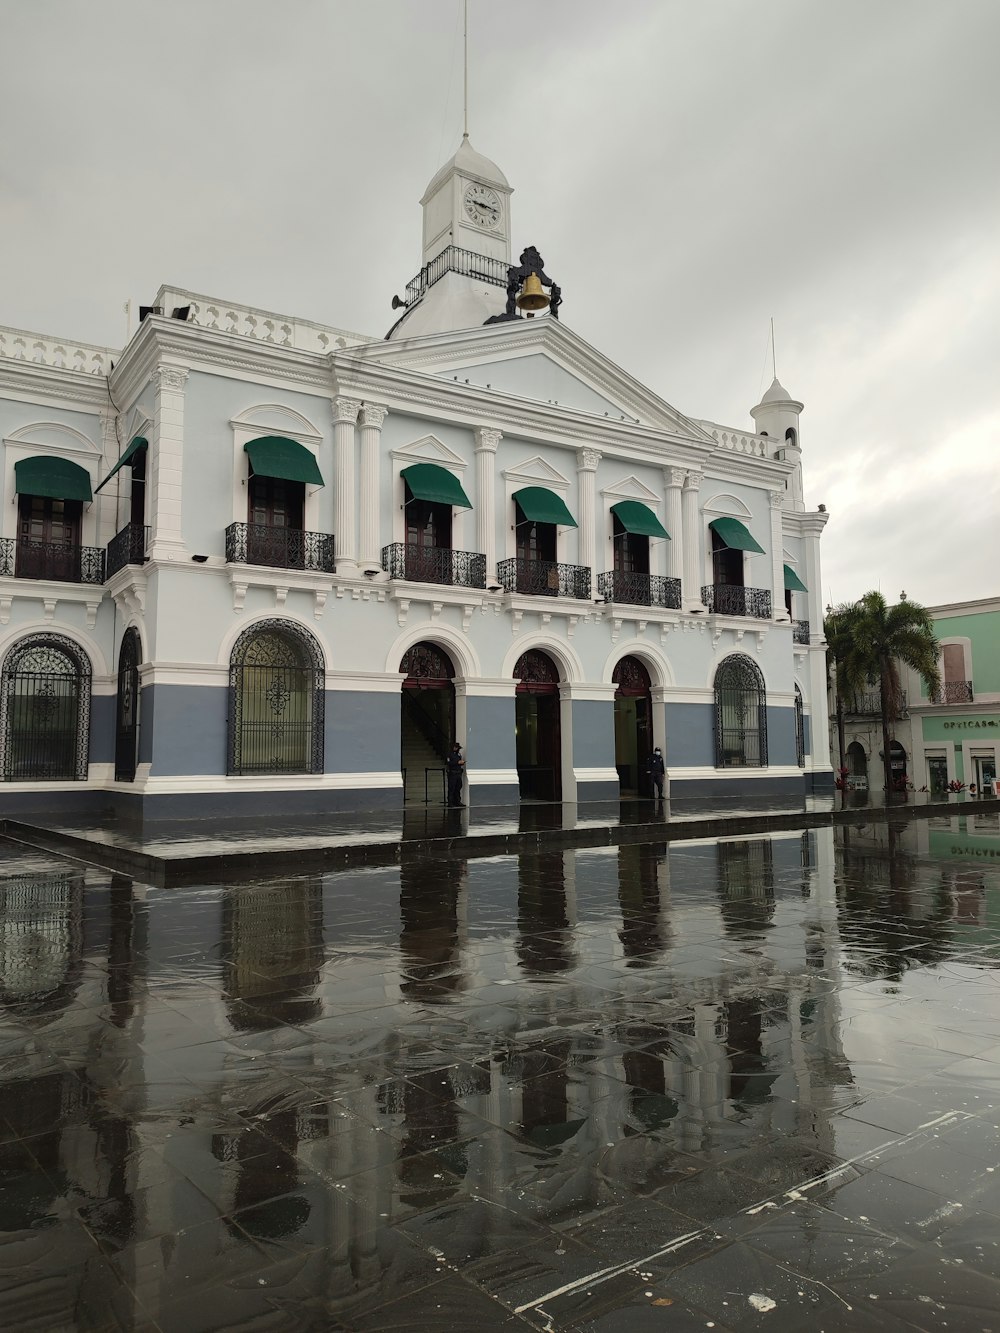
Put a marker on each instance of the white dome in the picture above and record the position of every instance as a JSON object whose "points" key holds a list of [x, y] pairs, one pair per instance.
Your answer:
{"points": [[777, 393], [469, 163]]}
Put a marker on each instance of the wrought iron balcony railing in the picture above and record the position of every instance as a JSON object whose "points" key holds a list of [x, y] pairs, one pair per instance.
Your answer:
{"points": [[127, 547], [870, 704], [57, 561], [953, 692], [729, 599], [544, 578], [434, 564], [279, 548], [800, 631], [639, 589], [456, 260]]}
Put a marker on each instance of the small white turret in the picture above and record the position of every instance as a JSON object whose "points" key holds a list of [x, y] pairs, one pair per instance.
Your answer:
{"points": [[777, 416]]}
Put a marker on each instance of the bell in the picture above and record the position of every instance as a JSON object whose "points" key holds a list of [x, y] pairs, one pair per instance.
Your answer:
{"points": [[532, 296]]}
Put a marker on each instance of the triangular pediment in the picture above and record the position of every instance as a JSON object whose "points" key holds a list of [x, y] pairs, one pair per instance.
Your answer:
{"points": [[631, 488], [535, 471], [429, 449], [535, 361]]}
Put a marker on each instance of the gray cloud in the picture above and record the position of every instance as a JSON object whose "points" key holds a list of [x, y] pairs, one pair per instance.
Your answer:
{"points": [[688, 171]]}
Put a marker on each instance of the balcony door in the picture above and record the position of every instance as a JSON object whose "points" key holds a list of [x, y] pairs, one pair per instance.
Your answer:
{"points": [[631, 550], [428, 531], [48, 538], [727, 564], [275, 510]]}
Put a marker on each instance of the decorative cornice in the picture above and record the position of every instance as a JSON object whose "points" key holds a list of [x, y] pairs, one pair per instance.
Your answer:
{"points": [[488, 439], [371, 415]]}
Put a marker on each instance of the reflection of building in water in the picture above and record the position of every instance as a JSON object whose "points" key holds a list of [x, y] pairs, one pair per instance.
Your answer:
{"points": [[746, 884], [545, 911], [430, 928], [644, 897], [69, 1138], [272, 951]]}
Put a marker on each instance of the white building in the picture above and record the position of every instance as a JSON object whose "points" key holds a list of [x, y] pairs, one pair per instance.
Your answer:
{"points": [[251, 562]]}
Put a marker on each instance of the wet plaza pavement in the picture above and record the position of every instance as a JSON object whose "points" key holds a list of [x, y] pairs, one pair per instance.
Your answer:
{"points": [[733, 1085]]}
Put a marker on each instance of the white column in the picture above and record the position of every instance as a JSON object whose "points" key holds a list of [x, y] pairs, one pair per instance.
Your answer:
{"points": [[778, 611], [692, 562], [586, 468], [167, 464], [811, 527], [674, 478], [345, 416], [487, 442], [369, 551]]}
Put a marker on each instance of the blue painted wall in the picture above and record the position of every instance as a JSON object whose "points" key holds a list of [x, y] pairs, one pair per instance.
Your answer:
{"points": [[490, 741], [780, 736], [183, 729], [690, 735], [593, 733], [362, 732], [102, 728]]}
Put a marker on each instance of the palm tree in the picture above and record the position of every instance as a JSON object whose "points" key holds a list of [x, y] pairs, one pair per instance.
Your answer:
{"points": [[838, 635], [882, 637]]}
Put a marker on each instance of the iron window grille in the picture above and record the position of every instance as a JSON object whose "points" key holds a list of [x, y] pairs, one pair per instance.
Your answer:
{"points": [[731, 599], [127, 706], [800, 631], [618, 585], [434, 564], [800, 730], [45, 711], [276, 701], [740, 714], [544, 578], [953, 692]]}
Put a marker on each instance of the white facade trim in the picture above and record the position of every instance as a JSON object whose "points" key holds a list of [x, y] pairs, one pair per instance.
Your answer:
{"points": [[734, 774]]}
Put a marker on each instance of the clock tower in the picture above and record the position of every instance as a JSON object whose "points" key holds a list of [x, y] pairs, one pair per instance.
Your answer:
{"points": [[467, 204]]}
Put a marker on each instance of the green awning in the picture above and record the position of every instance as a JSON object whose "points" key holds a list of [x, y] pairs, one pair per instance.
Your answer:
{"points": [[427, 481], [541, 506], [138, 444], [792, 581], [639, 519], [57, 478], [735, 535], [274, 456]]}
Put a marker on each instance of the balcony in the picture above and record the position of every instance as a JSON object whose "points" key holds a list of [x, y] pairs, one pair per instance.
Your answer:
{"points": [[544, 578], [953, 692], [800, 631], [870, 705], [729, 599], [279, 548], [51, 560], [639, 589], [128, 547], [434, 564]]}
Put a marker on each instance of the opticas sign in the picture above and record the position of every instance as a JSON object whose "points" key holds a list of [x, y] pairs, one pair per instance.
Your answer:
{"points": [[966, 726]]}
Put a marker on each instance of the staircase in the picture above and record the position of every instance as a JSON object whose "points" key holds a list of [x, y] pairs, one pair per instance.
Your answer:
{"points": [[417, 755]]}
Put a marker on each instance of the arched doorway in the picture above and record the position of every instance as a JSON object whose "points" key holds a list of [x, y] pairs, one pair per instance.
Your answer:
{"points": [[537, 730], [276, 701], [127, 708], [427, 721], [633, 726], [897, 763], [45, 710], [800, 730], [857, 761], [740, 714]]}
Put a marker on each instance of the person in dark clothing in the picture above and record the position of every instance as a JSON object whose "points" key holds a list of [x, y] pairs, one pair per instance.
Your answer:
{"points": [[656, 772], [455, 765]]}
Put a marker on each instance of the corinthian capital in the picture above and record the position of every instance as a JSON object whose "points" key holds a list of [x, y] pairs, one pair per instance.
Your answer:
{"points": [[346, 409], [777, 499], [674, 476], [693, 480], [371, 415], [488, 439], [588, 459], [169, 377]]}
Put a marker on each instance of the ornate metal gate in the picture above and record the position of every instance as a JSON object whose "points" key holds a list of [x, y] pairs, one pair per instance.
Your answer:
{"points": [[127, 712], [276, 701], [740, 714]]}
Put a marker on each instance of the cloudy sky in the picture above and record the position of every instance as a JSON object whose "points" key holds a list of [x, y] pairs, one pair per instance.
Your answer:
{"points": [[688, 170]]}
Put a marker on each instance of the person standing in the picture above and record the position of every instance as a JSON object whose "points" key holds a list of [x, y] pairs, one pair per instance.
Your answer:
{"points": [[656, 771], [455, 765]]}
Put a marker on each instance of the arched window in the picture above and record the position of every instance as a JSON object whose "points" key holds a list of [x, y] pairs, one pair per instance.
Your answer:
{"points": [[276, 701], [45, 710], [740, 714], [800, 731], [791, 437]]}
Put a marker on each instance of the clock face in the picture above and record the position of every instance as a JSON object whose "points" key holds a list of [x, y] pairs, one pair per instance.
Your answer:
{"points": [[482, 206]]}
